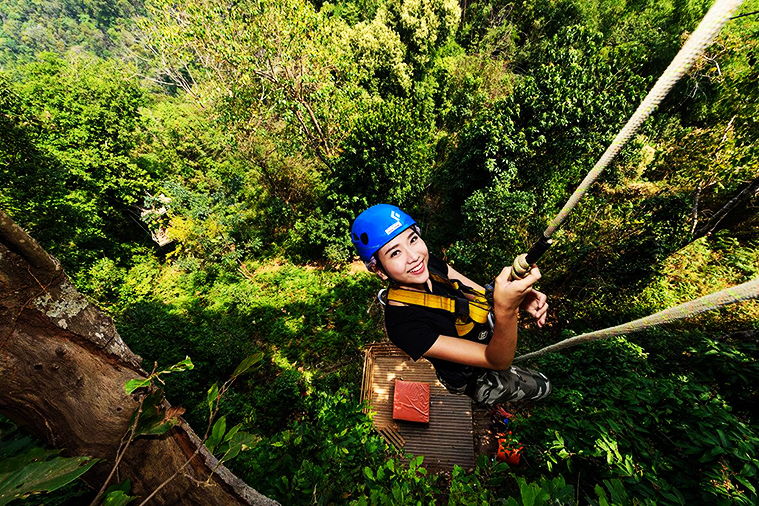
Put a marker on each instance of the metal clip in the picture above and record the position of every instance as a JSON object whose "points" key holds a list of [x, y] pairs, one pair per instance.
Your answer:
{"points": [[380, 297]]}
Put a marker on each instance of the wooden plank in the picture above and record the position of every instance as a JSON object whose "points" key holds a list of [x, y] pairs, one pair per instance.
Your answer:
{"points": [[392, 436], [448, 438]]}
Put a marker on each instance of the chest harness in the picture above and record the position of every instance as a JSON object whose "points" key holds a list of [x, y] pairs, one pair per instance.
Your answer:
{"points": [[469, 310]]}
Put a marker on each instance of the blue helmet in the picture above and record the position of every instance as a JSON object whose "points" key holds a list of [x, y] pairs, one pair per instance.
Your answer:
{"points": [[376, 226]]}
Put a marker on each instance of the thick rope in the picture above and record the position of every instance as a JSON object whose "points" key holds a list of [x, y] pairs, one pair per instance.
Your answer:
{"points": [[740, 293], [706, 32]]}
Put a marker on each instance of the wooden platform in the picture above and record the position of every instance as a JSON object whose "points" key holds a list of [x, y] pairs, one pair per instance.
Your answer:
{"points": [[448, 439]]}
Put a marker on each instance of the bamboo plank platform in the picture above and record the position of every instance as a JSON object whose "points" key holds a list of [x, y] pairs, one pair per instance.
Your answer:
{"points": [[448, 438]]}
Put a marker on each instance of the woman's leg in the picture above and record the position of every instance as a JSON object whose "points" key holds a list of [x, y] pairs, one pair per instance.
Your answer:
{"points": [[513, 384]]}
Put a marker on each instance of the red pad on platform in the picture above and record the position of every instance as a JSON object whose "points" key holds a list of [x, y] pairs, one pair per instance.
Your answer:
{"points": [[411, 401]]}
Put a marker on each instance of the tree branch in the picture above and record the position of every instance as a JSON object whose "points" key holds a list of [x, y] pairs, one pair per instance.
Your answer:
{"points": [[742, 196]]}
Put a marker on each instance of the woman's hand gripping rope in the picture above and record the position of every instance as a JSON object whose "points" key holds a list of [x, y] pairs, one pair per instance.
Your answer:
{"points": [[509, 295]]}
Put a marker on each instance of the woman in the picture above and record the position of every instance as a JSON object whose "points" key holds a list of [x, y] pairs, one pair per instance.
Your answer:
{"points": [[427, 305]]}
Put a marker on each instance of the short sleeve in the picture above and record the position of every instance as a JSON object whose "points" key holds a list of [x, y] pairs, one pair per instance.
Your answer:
{"points": [[438, 265], [410, 328]]}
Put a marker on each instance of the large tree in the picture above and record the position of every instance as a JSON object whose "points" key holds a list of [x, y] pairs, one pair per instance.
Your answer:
{"points": [[63, 368]]}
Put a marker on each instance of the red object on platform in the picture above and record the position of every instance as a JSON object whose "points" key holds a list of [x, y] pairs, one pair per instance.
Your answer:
{"points": [[411, 401]]}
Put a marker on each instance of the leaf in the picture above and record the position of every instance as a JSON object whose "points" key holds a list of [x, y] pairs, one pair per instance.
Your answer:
{"points": [[232, 433], [134, 384], [118, 494], [118, 498], [219, 428], [15, 446], [248, 363], [723, 439], [157, 430], [231, 453], [217, 433], [42, 477], [368, 473], [184, 365], [152, 420], [245, 441], [124, 486], [213, 395], [30, 455], [745, 483]]}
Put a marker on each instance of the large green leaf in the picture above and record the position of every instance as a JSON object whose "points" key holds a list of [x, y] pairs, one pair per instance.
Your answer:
{"points": [[44, 476], [248, 363]]}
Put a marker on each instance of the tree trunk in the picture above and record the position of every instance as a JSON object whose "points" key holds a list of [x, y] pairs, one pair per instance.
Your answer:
{"points": [[63, 367]]}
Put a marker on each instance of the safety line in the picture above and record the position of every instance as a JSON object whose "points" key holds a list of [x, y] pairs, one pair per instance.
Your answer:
{"points": [[704, 35], [739, 293]]}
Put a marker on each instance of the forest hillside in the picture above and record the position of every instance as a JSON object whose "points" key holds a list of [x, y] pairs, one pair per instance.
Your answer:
{"points": [[196, 166]]}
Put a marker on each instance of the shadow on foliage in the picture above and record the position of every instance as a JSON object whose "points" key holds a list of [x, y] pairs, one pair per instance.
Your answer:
{"points": [[314, 345]]}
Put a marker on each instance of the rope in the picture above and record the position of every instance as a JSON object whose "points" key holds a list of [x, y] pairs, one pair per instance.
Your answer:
{"points": [[706, 32], [739, 293]]}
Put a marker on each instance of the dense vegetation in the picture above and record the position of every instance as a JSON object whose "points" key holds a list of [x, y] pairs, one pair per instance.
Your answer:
{"points": [[250, 133]]}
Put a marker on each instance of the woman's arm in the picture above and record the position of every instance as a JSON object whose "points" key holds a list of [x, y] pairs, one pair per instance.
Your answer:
{"points": [[499, 353], [534, 301]]}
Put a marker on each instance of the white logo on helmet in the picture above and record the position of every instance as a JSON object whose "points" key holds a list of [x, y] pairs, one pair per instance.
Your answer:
{"points": [[397, 217]]}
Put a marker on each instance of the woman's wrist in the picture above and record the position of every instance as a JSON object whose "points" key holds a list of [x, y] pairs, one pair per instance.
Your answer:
{"points": [[505, 313]]}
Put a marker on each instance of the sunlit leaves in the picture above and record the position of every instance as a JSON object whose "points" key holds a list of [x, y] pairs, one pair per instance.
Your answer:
{"points": [[134, 384]]}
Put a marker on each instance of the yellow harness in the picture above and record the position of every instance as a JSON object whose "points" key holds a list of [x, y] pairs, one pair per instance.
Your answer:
{"points": [[475, 308]]}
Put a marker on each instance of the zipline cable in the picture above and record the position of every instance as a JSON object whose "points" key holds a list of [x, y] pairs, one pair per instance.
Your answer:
{"points": [[739, 293], [705, 33]]}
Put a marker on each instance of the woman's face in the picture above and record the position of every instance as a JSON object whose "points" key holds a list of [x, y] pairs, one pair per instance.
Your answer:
{"points": [[405, 258]]}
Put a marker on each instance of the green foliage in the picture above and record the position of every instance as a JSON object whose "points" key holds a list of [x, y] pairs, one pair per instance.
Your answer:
{"points": [[543, 492], [288, 74], [387, 157], [423, 26], [504, 172], [380, 56], [32, 27], [320, 457], [72, 122], [394, 482], [118, 494], [492, 483], [460, 86], [302, 315], [204, 226], [481, 486], [650, 430], [89, 110], [134, 384], [287, 118], [495, 217], [26, 469], [352, 11]]}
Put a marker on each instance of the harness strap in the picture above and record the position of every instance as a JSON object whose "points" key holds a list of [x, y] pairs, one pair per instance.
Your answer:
{"points": [[467, 311]]}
